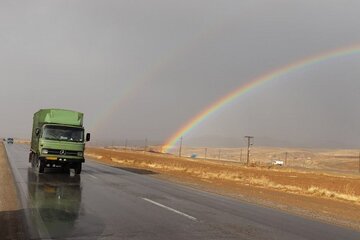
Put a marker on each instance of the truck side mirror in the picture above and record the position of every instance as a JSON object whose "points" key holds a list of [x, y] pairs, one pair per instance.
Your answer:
{"points": [[37, 131], [88, 137]]}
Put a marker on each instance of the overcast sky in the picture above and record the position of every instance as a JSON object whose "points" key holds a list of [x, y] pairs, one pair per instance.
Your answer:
{"points": [[141, 69]]}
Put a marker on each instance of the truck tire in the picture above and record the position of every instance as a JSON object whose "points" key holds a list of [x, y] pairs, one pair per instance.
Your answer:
{"points": [[78, 168], [40, 166], [31, 159], [66, 168]]}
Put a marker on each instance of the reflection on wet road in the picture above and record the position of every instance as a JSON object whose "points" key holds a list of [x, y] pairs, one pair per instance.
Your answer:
{"points": [[57, 198], [54, 202], [110, 203]]}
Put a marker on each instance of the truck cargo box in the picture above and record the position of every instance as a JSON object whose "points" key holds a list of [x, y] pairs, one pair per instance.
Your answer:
{"points": [[59, 116]]}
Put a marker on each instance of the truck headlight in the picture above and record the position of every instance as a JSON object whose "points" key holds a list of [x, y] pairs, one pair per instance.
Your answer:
{"points": [[44, 151], [80, 154]]}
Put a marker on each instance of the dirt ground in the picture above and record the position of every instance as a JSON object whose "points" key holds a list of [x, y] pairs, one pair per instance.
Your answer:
{"points": [[330, 197], [12, 224]]}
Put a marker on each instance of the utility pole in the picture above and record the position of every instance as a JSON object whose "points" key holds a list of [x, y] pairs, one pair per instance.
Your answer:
{"points": [[359, 162], [219, 153], [111, 149], [145, 145], [240, 154], [205, 153], [181, 140], [248, 148], [286, 156]]}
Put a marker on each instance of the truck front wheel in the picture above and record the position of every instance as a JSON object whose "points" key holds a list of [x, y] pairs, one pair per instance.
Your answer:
{"points": [[78, 168], [40, 166], [66, 168], [32, 159]]}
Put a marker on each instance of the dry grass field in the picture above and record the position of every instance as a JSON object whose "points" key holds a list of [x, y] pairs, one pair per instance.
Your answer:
{"points": [[329, 196], [341, 160]]}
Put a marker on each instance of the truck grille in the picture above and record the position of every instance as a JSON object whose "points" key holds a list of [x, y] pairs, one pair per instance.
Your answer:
{"points": [[62, 152]]}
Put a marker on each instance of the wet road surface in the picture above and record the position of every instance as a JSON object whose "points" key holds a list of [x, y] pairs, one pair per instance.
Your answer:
{"points": [[110, 203]]}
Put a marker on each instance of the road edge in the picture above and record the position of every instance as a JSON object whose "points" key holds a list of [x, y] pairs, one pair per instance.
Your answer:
{"points": [[30, 232], [25, 233]]}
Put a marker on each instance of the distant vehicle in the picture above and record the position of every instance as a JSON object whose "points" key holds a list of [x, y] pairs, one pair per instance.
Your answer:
{"points": [[278, 163], [58, 140], [10, 141]]}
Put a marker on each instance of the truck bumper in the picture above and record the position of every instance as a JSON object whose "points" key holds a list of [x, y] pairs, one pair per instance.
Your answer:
{"points": [[60, 161]]}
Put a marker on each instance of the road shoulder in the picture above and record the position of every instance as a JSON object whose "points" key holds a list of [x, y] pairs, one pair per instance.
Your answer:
{"points": [[12, 224]]}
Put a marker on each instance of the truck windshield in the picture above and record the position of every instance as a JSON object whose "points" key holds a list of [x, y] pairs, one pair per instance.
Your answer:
{"points": [[62, 133]]}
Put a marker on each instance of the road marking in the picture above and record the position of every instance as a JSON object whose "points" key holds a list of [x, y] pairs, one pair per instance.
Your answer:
{"points": [[170, 209], [92, 176]]}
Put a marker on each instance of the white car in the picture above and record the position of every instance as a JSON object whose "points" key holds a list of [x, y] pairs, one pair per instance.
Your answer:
{"points": [[278, 163]]}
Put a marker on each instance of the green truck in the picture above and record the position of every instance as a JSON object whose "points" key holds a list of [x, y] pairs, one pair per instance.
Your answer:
{"points": [[58, 140]]}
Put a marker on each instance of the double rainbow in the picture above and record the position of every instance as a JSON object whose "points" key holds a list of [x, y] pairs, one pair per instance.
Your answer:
{"points": [[274, 74]]}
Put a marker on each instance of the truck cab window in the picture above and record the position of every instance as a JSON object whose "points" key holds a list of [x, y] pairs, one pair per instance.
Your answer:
{"points": [[62, 133]]}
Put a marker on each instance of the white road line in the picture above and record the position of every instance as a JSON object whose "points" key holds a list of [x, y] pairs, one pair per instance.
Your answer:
{"points": [[92, 176], [170, 209]]}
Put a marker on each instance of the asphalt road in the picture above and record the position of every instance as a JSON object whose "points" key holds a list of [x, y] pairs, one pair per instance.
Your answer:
{"points": [[111, 203]]}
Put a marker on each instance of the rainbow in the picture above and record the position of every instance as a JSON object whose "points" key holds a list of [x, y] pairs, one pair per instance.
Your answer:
{"points": [[273, 74]]}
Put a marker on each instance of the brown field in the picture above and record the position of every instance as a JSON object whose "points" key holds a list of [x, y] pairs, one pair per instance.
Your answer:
{"points": [[22, 141], [332, 160], [332, 195]]}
